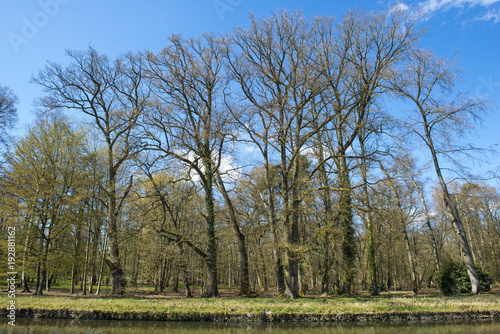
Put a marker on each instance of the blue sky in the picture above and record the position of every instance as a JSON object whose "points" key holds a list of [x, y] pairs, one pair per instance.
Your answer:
{"points": [[34, 31]]}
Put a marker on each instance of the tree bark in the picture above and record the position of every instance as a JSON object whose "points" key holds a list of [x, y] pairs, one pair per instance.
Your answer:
{"points": [[453, 213], [428, 224], [43, 269], [117, 275], [99, 279], [24, 279], [291, 222], [211, 259], [75, 253], [240, 238], [184, 273], [346, 224], [372, 264], [271, 215], [87, 250]]}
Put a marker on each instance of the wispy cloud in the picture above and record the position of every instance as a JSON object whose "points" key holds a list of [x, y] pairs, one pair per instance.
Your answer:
{"points": [[400, 7], [492, 14], [430, 6], [490, 9]]}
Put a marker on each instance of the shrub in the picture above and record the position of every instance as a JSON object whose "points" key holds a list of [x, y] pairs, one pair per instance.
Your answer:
{"points": [[446, 278], [453, 278], [463, 281]]}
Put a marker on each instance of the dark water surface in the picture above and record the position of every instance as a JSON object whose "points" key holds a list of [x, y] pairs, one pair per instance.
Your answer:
{"points": [[53, 326]]}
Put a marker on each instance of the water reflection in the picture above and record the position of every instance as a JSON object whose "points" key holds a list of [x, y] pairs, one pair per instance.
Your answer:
{"points": [[46, 326]]}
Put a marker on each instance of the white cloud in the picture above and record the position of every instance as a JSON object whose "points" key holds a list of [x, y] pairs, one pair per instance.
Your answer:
{"points": [[229, 169], [250, 148], [490, 15], [430, 6], [400, 7]]}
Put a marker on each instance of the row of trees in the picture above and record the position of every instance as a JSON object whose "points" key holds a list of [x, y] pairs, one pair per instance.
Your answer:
{"points": [[328, 194]]}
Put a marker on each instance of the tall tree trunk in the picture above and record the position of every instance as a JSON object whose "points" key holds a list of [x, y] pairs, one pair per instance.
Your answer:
{"points": [[161, 275], [405, 233], [346, 225], [95, 243], [87, 250], [38, 278], [175, 288], [117, 275], [345, 218], [464, 245], [429, 226], [24, 279], [99, 279], [410, 260], [453, 213], [265, 284], [327, 221], [389, 270], [184, 273], [325, 268], [43, 269], [292, 223], [136, 270], [372, 263], [73, 266], [240, 238], [211, 259], [48, 279], [271, 215]]}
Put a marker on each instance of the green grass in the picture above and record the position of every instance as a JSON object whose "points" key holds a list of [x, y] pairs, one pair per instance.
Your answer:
{"points": [[306, 305]]}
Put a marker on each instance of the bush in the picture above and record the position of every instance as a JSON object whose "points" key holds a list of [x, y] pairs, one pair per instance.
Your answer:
{"points": [[446, 278], [463, 281], [453, 278]]}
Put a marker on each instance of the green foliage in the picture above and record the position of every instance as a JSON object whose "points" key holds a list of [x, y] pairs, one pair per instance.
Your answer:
{"points": [[446, 278], [463, 281], [453, 278]]}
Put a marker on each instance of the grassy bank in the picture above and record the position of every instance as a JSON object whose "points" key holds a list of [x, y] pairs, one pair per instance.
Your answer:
{"points": [[151, 308]]}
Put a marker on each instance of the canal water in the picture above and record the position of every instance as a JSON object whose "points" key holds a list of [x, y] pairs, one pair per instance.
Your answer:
{"points": [[53, 326]]}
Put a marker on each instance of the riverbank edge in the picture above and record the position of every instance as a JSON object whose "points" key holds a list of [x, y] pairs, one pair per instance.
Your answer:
{"points": [[263, 317]]}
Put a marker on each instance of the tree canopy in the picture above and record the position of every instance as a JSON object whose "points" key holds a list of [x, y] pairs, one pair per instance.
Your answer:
{"points": [[274, 157]]}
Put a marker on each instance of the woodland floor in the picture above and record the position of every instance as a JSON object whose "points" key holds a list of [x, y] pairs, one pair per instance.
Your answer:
{"points": [[148, 291], [144, 303]]}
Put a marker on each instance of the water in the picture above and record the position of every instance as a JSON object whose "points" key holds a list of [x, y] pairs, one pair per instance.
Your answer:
{"points": [[52, 326]]}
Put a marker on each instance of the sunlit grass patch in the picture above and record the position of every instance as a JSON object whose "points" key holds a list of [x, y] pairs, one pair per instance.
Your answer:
{"points": [[306, 305]]}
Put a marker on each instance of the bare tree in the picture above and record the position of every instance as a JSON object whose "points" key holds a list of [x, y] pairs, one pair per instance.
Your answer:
{"points": [[442, 117], [359, 53], [191, 124], [274, 64], [8, 112], [367, 209], [113, 95], [174, 198], [406, 160], [402, 220]]}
